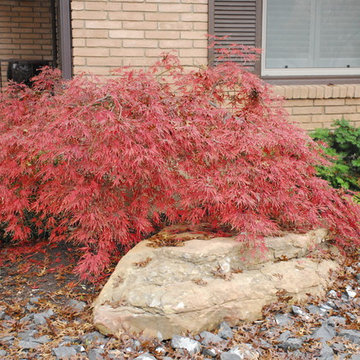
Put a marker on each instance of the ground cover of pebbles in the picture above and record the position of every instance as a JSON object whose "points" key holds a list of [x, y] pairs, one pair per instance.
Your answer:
{"points": [[45, 313]]}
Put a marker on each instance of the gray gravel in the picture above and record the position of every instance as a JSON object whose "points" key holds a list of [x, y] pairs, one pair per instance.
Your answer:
{"points": [[331, 325]]}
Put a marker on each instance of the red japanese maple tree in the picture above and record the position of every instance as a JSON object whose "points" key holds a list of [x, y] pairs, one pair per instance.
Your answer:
{"points": [[98, 163]]}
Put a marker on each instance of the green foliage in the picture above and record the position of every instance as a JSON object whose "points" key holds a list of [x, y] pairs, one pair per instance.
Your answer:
{"points": [[342, 148]]}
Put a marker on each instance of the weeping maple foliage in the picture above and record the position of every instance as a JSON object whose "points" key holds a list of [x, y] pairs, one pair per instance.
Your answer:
{"points": [[100, 162]]}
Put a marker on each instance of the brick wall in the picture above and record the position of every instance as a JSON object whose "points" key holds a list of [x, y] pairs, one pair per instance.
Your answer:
{"points": [[108, 34], [25, 31], [317, 106]]}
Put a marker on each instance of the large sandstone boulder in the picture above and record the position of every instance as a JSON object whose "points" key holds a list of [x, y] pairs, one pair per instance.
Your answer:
{"points": [[157, 289]]}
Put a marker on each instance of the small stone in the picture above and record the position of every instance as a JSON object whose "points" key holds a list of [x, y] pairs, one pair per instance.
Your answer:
{"points": [[325, 332], [245, 351], [225, 331], [291, 344], [332, 304], [2, 315], [209, 352], [283, 319], [284, 336], [350, 292], [338, 347], [76, 305], [160, 350], [264, 344], [352, 335], [78, 348], [332, 294], [64, 352], [26, 318], [3, 353], [181, 342], [326, 352], [336, 320], [95, 354], [355, 357], [7, 339], [229, 356], [358, 277], [297, 310], [34, 300], [39, 319], [25, 335], [28, 344], [145, 356], [209, 338], [93, 337], [42, 339], [315, 310]]}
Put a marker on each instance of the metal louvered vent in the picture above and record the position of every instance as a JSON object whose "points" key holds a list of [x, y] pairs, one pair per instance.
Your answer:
{"points": [[236, 19]]}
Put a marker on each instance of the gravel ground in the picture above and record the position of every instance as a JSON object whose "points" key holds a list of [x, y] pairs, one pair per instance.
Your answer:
{"points": [[45, 313]]}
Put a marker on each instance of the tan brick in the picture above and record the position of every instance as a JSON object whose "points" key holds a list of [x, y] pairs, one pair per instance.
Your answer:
{"points": [[193, 52], [77, 5], [85, 14], [355, 101], [357, 91], [355, 116], [350, 91], [200, 8], [288, 92], [172, 25], [99, 6], [343, 90], [140, 43], [91, 52], [192, 35], [329, 102], [104, 42], [189, 16], [140, 7], [299, 102], [169, 44], [90, 33], [324, 118], [126, 34], [301, 118], [103, 24], [328, 93], [182, 8], [96, 70], [200, 26], [158, 34], [311, 126], [157, 16], [320, 91], [340, 109], [127, 52], [140, 61], [200, 43], [140, 25], [130, 16], [104, 61], [308, 110]]}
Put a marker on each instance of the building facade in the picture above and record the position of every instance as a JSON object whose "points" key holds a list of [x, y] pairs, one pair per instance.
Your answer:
{"points": [[311, 48]]}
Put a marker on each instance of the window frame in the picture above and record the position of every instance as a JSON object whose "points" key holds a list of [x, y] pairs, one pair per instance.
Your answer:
{"points": [[297, 72], [286, 79]]}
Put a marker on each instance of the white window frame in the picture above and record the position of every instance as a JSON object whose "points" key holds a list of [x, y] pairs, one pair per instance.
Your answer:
{"points": [[298, 71]]}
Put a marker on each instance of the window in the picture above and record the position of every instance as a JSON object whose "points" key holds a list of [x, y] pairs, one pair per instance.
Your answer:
{"points": [[300, 38], [319, 37]]}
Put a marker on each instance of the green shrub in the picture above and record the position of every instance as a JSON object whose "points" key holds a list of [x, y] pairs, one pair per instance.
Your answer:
{"points": [[342, 148]]}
